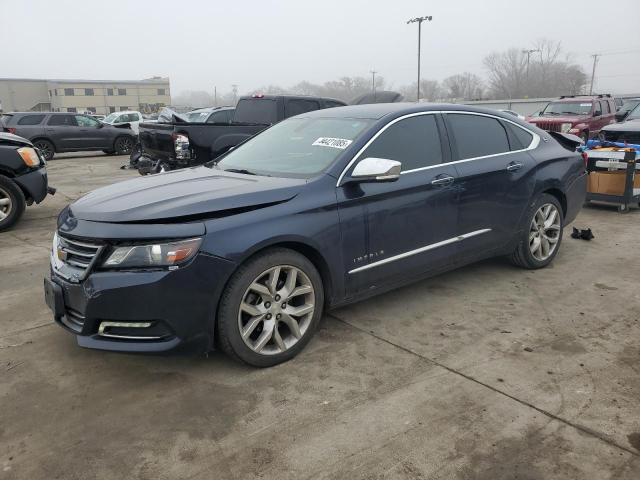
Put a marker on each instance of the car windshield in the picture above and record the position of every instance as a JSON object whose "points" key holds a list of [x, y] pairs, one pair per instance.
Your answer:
{"points": [[298, 147], [198, 117], [635, 113], [110, 118], [567, 108]]}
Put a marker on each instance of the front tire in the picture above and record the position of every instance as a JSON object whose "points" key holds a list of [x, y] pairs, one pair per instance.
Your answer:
{"points": [[541, 237], [270, 308], [12, 203], [123, 145]]}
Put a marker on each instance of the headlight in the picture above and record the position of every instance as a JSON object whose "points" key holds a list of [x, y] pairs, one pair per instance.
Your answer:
{"points": [[153, 255], [29, 156], [565, 127]]}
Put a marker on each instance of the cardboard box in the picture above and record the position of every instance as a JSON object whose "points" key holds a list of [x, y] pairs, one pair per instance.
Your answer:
{"points": [[609, 183]]}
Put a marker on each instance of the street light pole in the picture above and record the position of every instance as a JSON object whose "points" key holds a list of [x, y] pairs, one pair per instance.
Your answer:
{"points": [[528, 54], [419, 21]]}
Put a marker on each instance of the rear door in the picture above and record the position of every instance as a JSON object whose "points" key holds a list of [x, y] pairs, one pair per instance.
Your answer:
{"points": [[395, 230], [64, 131], [496, 178]]}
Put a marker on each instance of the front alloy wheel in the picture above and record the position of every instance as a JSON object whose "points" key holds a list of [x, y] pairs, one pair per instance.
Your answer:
{"points": [[270, 308], [276, 310], [544, 232]]}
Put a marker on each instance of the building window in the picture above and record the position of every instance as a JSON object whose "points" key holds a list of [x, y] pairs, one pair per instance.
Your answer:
{"points": [[72, 109], [110, 92], [91, 109], [88, 92], [112, 109], [161, 91], [122, 91], [124, 109], [69, 92]]}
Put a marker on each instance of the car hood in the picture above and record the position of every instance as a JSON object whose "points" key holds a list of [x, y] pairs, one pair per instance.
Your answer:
{"points": [[628, 126], [559, 119], [183, 195], [11, 139]]}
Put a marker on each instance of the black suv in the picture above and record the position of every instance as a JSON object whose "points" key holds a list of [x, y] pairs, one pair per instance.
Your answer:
{"points": [[69, 132]]}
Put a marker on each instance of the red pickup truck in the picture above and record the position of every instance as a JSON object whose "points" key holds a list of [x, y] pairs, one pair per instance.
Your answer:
{"points": [[581, 115]]}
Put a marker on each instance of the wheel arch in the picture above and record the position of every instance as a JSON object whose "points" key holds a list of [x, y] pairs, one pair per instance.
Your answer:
{"points": [[560, 196]]}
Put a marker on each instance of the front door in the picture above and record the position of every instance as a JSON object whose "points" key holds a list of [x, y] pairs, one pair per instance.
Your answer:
{"points": [[93, 135], [496, 179], [393, 231]]}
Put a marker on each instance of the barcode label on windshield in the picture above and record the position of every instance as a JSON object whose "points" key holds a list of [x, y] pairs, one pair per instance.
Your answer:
{"points": [[340, 143]]}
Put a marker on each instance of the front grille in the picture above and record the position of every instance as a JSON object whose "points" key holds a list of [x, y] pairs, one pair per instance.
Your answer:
{"points": [[73, 258], [548, 126], [622, 137]]}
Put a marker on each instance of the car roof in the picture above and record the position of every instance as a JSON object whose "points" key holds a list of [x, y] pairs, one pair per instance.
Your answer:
{"points": [[378, 110], [123, 111], [294, 97], [210, 109]]}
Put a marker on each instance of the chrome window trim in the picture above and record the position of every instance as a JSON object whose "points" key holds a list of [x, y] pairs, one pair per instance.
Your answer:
{"points": [[534, 142], [426, 248]]}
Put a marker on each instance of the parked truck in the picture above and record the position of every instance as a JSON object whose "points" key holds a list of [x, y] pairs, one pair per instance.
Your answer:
{"points": [[180, 144]]}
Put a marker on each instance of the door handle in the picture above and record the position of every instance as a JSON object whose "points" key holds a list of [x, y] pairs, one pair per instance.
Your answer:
{"points": [[442, 181], [514, 167]]}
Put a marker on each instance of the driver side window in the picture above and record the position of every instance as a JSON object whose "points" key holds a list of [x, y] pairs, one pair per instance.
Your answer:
{"points": [[84, 121], [414, 141]]}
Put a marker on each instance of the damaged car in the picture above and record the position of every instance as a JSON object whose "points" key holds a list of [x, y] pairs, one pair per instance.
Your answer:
{"points": [[626, 132], [320, 210], [23, 178]]}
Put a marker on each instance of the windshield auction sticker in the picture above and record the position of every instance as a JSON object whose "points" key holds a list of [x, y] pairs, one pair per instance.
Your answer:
{"points": [[340, 143]]}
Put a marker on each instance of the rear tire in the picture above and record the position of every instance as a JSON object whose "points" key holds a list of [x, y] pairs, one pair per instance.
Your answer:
{"points": [[541, 235], [46, 148], [270, 308], [123, 145], [12, 203]]}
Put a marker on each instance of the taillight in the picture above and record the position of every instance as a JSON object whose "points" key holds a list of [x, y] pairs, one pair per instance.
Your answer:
{"points": [[11, 130], [585, 157], [181, 146]]}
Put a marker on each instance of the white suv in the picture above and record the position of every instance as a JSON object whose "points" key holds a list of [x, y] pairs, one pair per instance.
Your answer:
{"points": [[118, 118]]}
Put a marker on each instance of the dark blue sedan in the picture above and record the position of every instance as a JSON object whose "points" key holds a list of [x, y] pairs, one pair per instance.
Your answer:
{"points": [[320, 210]]}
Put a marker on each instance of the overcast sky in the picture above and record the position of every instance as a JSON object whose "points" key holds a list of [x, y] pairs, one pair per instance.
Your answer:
{"points": [[202, 43]]}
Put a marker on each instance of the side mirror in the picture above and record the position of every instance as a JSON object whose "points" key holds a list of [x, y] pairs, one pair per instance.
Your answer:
{"points": [[376, 170], [620, 116], [597, 113], [100, 125]]}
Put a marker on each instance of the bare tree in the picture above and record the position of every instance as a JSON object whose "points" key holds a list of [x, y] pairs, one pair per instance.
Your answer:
{"points": [[430, 90], [549, 73], [463, 86]]}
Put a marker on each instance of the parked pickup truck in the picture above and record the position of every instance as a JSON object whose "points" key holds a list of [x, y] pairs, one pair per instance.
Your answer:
{"points": [[179, 144]]}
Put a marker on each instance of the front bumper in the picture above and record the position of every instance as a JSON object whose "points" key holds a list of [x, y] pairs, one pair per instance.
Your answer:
{"points": [[34, 183], [143, 310]]}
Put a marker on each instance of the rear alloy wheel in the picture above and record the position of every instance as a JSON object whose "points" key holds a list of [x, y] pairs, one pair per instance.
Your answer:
{"points": [[124, 145], [270, 308], [541, 239], [12, 203], [46, 148]]}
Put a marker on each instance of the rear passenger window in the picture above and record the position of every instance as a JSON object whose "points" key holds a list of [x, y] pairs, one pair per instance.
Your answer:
{"points": [[296, 107], [414, 141], [31, 120], [605, 107], [520, 138], [477, 136], [65, 120]]}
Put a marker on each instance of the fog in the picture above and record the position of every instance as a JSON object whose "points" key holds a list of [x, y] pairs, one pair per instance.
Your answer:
{"points": [[201, 44]]}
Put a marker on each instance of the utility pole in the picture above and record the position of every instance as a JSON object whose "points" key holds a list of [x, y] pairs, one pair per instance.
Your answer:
{"points": [[419, 21], [234, 88], [215, 96], [593, 71], [373, 83]]}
